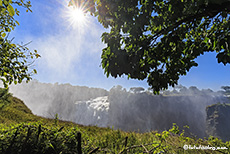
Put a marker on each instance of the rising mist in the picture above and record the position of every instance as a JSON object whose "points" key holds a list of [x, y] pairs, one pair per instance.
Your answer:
{"points": [[134, 110]]}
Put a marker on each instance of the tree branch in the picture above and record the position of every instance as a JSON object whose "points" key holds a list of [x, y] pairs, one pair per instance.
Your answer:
{"points": [[211, 10]]}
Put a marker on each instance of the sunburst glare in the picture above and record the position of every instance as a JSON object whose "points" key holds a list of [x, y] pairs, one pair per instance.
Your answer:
{"points": [[76, 15]]}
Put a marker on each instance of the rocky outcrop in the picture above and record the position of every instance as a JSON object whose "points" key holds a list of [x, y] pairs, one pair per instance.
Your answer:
{"points": [[218, 121]]}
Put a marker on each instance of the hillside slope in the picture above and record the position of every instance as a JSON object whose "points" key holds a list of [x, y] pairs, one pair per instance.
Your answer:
{"points": [[14, 111]]}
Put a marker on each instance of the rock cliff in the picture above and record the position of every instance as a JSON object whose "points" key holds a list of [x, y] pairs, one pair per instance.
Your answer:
{"points": [[218, 121]]}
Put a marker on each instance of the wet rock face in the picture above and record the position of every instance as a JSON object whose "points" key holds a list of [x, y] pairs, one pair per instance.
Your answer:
{"points": [[143, 112], [218, 121]]}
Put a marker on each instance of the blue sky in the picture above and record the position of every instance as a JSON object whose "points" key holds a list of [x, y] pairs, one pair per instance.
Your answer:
{"points": [[72, 54]]}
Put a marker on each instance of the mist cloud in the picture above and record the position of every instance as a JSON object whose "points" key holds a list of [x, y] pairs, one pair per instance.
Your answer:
{"points": [[65, 50], [127, 110]]}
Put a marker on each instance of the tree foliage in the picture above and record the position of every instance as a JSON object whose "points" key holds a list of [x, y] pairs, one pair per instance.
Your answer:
{"points": [[226, 90], [15, 59], [159, 40]]}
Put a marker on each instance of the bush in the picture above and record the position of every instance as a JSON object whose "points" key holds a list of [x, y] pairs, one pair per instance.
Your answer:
{"points": [[4, 97]]}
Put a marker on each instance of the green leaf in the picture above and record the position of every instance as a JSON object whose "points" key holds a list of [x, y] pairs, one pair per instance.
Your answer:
{"points": [[3, 34], [10, 10], [170, 8], [17, 22], [206, 40]]}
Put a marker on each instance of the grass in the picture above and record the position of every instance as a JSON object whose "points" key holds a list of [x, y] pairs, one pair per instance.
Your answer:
{"points": [[22, 132]]}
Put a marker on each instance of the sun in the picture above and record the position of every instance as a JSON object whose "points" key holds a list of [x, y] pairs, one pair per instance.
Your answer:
{"points": [[77, 16]]}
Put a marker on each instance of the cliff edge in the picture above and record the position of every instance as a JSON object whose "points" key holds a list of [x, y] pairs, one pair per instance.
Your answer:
{"points": [[218, 121]]}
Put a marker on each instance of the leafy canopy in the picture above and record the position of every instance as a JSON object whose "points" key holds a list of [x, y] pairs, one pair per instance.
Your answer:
{"points": [[159, 40], [15, 59]]}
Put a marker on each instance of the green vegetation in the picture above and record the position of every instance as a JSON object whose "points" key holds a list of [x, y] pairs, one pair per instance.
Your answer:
{"points": [[22, 132], [159, 40], [219, 104], [15, 59], [4, 98]]}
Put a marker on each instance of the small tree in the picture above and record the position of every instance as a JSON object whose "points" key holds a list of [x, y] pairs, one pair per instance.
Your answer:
{"points": [[15, 59], [4, 97]]}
